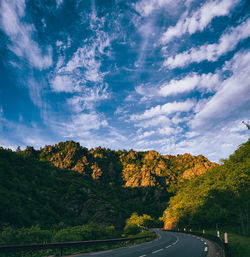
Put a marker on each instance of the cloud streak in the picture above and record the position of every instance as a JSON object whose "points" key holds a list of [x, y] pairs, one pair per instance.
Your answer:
{"points": [[205, 81], [20, 35], [166, 109], [147, 7], [211, 52], [199, 19], [232, 98]]}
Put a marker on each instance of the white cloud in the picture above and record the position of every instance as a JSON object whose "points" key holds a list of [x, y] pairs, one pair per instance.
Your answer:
{"points": [[85, 57], [63, 84], [165, 109], [190, 82], [167, 131], [193, 81], [232, 99], [89, 97], [147, 7], [85, 65], [79, 125], [85, 128], [154, 122], [58, 3], [19, 134], [215, 143], [199, 19], [20, 35], [146, 134], [214, 128], [211, 52]]}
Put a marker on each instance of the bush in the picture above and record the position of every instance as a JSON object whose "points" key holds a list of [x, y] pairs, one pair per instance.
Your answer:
{"points": [[90, 231], [24, 235], [131, 229]]}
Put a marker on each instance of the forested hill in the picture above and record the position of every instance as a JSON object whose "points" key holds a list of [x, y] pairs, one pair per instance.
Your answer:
{"points": [[126, 168], [71, 184], [219, 197]]}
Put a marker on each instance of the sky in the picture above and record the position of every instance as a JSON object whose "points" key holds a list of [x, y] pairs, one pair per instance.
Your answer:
{"points": [[165, 75]]}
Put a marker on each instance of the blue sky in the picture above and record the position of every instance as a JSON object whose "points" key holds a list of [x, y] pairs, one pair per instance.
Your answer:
{"points": [[168, 75]]}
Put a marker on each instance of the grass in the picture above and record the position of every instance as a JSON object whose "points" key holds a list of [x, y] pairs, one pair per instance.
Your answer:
{"points": [[239, 245], [83, 249]]}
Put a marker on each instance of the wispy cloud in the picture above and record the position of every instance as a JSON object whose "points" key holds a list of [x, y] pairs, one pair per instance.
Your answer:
{"points": [[147, 7], [214, 143], [64, 83], [85, 57], [145, 134], [58, 3], [199, 19], [211, 52], [161, 131], [154, 122], [89, 98], [84, 66], [206, 82], [80, 125], [13, 134], [91, 130], [20, 35], [232, 99], [166, 109]]}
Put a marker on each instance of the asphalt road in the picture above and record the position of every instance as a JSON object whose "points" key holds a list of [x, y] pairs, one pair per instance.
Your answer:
{"points": [[168, 244]]}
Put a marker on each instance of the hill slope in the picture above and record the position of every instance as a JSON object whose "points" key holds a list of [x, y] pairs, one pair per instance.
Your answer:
{"points": [[220, 196], [71, 184]]}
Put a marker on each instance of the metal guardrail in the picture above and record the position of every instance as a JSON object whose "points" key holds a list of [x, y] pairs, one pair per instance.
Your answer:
{"points": [[216, 239], [225, 248], [61, 245]]}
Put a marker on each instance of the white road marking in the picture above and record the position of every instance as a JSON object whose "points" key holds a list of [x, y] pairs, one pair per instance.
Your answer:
{"points": [[173, 243], [205, 250], [158, 250], [143, 255]]}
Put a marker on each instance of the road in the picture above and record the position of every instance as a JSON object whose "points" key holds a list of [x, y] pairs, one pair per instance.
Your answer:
{"points": [[168, 244]]}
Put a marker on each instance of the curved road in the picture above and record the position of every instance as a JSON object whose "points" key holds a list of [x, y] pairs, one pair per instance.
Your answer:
{"points": [[168, 244]]}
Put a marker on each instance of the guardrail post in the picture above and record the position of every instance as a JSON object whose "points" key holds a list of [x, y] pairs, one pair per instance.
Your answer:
{"points": [[225, 238], [218, 233], [190, 230], [61, 252], [203, 231]]}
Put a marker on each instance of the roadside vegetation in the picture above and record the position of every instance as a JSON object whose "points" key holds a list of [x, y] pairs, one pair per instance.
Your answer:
{"points": [[221, 196], [91, 231], [239, 245]]}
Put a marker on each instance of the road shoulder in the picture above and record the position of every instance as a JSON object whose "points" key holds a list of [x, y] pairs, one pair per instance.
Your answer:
{"points": [[214, 250]]}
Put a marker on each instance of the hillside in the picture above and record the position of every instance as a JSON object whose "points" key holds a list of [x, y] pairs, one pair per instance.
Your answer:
{"points": [[34, 192], [71, 184], [220, 197], [127, 168]]}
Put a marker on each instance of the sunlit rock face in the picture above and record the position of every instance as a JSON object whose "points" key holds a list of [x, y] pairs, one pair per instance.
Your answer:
{"points": [[130, 168]]}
